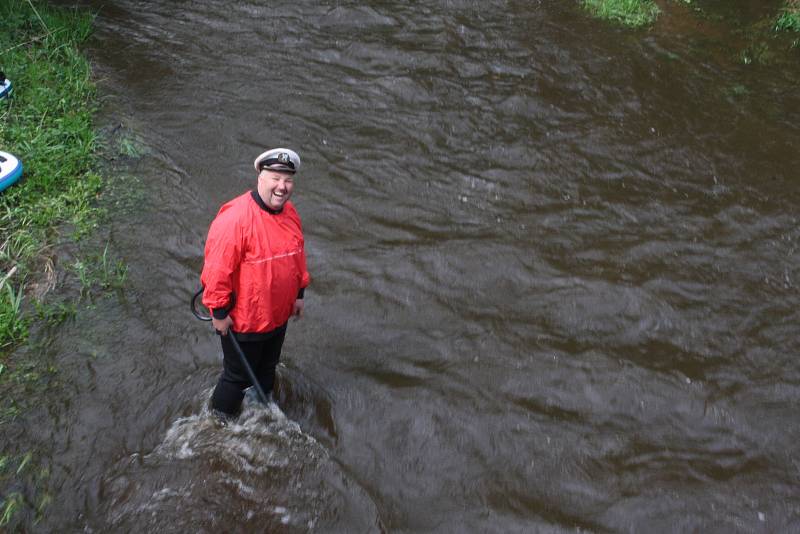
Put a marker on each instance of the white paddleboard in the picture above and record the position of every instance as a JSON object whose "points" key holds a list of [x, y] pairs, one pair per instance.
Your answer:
{"points": [[10, 169], [6, 89]]}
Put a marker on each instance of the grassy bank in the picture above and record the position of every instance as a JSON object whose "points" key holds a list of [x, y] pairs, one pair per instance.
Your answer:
{"points": [[636, 13], [48, 126], [789, 19], [768, 37], [628, 12]]}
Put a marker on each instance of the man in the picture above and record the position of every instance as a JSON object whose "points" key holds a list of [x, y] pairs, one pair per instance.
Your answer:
{"points": [[254, 276]]}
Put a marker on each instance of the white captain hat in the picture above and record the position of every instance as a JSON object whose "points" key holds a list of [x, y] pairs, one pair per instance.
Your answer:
{"points": [[278, 160]]}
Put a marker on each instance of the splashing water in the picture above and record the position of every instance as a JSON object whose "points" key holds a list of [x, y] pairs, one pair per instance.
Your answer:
{"points": [[279, 477]]}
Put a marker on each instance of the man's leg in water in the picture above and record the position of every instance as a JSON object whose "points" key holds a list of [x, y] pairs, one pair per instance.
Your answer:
{"points": [[262, 356], [270, 356]]}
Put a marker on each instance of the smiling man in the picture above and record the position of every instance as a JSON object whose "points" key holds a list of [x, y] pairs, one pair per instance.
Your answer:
{"points": [[254, 276]]}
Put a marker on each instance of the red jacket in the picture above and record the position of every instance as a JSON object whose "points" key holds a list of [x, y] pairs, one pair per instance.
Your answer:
{"points": [[257, 254]]}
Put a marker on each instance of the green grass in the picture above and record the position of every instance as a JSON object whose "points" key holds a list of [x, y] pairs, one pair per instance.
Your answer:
{"points": [[789, 19], [55, 313], [48, 124], [13, 326], [632, 13], [100, 270], [130, 148], [8, 506], [18, 500]]}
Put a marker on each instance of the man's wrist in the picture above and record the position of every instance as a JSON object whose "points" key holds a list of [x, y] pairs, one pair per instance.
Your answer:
{"points": [[220, 313]]}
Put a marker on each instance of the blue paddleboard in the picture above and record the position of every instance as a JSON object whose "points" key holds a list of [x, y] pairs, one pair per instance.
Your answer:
{"points": [[10, 169]]}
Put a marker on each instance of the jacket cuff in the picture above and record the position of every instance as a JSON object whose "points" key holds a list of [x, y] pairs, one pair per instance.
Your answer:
{"points": [[220, 313], [301, 293]]}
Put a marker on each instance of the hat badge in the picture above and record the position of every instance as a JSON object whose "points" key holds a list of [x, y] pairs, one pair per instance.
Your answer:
{"points": [[284, 158]]}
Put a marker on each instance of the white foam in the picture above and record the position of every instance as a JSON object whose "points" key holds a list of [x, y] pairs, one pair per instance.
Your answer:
{"points": [[252, 443], [248, 492]]}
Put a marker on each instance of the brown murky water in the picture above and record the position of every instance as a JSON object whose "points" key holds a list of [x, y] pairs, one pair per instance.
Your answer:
{"points": [[555, 277]]}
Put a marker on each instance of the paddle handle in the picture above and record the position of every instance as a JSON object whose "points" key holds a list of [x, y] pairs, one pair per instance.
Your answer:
{"points": [[250, 374]]}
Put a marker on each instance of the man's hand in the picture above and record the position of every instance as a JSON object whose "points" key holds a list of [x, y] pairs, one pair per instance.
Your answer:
{"points": [[297, 309], [222, 325]]}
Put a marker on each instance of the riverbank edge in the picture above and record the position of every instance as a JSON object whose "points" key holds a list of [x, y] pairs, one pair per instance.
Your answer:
{"points": [[642, 13], [632, 13], [48, 124]]}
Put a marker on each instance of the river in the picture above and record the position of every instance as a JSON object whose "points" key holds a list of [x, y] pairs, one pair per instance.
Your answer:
{"points": [[555, 276]]}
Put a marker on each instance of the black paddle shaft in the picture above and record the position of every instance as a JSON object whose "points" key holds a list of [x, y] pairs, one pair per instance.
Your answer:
{"points": [[261, 395]]}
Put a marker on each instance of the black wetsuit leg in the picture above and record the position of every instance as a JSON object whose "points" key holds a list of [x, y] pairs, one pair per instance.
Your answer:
{"points": [[263, 356]]}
